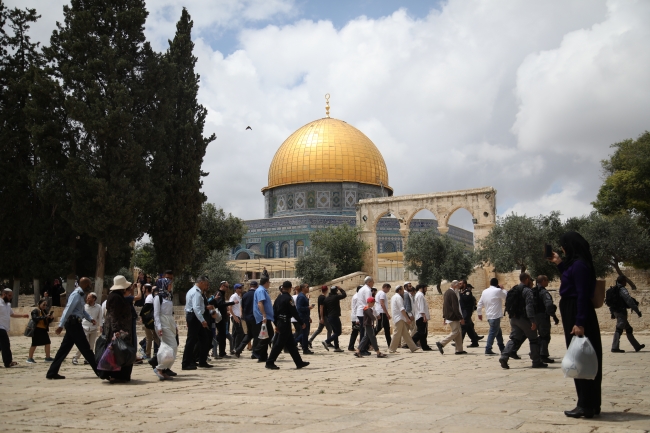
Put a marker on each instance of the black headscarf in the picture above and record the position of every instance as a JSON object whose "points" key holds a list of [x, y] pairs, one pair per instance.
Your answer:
{"points": [[577, 248]]}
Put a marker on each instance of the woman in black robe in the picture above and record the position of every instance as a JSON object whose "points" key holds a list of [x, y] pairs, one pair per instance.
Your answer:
{"points": [[118, 319]]}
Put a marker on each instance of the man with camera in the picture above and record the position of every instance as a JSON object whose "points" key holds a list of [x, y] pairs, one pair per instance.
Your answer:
{"points": [[332, 305]]}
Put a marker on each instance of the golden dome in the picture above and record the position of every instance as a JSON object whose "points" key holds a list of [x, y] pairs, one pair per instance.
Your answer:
{"points": [[328, 150]]}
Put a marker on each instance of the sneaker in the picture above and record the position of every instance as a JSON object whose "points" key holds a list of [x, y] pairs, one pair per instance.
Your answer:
{"points": [[326, 346], [440, 348], [74, 361], [338, 350], [159, 374], [490, 353], [49, 359], [31, 361]]}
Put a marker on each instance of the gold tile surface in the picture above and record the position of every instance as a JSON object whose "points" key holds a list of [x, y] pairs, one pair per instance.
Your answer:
{"points": [[327, 150]]}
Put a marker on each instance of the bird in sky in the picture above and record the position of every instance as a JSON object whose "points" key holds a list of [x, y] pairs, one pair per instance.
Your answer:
{"points": [[248, 127]]}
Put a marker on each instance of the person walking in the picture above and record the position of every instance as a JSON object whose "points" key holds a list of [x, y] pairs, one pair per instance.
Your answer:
{"points": [[263, 312], [453, 317], [467, 307], [57, 291], [381, 308], [6, 313], [48, 301], [40, 337], [369, 338], [235, 315], [322, 317], [196, 323], [118, 323], [620, 301], [166, 329], [544, 310], [356, 326], [147, 316], [332, 305], [90, 330], [364, 294], [304, 311], [409, 300], [579, 315], [492, 300], [71, 319], [520, 306], [401, 320], [283, 309], [220, 303], [247, 302], [421, 310]]}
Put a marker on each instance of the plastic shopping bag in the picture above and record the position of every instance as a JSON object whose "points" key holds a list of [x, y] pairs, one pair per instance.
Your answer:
{"points": [[264, 334], [165, 354], [580, 361], [107, 362]]}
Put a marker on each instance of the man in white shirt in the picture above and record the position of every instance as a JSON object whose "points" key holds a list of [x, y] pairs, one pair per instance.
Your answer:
{"points": [[5, 323], [355, 321], [235, 314], [492, 299], [401, 321], [91, 331], [381, 308], [422, 316]]}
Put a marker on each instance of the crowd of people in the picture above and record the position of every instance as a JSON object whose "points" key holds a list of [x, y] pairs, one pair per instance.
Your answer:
{"points": [[267, 328]]}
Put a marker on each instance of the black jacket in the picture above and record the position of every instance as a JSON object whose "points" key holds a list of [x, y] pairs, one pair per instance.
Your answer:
{"points": [[332, 305], [284, 309]]}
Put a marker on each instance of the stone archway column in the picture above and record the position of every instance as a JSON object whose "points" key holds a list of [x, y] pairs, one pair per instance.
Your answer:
{"points": [[370, 265], [443, 230], [480, 232]]}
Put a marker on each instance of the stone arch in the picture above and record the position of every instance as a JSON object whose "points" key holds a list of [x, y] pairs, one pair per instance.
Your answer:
{"points": [[242, 255], [284, 250], [269, 251]]}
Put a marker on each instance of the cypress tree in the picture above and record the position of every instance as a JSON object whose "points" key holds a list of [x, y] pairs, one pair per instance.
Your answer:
{"points": [[174, 225]]}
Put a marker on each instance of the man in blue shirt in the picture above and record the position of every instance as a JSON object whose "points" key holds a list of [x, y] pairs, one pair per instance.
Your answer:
{"points": [[247, 302], [71, 318], [194, 308], [304, 311], [263, 312]]}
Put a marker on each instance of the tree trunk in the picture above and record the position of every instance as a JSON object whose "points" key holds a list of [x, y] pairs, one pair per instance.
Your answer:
{"points": [[438, 287], [523, 269], [16, 294], [37, 291], [619, 272], [99, 272]]}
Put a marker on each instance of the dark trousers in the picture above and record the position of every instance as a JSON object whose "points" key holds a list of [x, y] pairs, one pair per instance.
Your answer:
{"points": [[335, 323], [353, 335], [249, 336], [221, 336], [544, 331], [284, 341], [589, 391], [303, 337], [421, 334], [205, 343], [237, 333], [362, 330], [261, 347], [623, 325], [195, 333], [520, 330], [326, 325], [383, 322], [468, 328], [7, 357], [74, 336], [368, 340]]}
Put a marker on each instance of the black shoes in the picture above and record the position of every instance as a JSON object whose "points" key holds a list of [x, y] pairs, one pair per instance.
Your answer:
{"points": [[461, 353], [540, 365], [580, 412], [504, 363], [515, 356], [338, 350], [616, 351], [56, 376], [189, 367], [304, 364], [636, 350], [439, 346], [481, 337], [547, 360], [168, 372], [473, 345], [490, 352], [272, 367], [307, 352], [205, 365], [326, 346]]}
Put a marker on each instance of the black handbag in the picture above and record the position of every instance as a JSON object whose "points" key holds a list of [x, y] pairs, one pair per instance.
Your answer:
{"points": [[29, 330], [100, 347], [125, 354]]}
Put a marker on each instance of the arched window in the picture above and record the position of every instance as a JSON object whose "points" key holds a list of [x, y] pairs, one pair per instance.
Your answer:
{"points": [[284, 250], [389, 247], [300, 248], [270, 250], [243, 256]]}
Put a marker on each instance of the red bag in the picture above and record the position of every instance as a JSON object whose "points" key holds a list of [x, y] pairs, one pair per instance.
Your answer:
{"points": [[107, 361]]}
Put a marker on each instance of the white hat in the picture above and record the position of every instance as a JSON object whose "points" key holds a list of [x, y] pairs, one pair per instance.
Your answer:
{"points": [[8, 290], [120, 283], [406, 283]]}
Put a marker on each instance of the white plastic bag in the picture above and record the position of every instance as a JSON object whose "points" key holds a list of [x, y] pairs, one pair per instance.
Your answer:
{"points": [[165, 354], [264, 334], [580, 361], [217, 316]]}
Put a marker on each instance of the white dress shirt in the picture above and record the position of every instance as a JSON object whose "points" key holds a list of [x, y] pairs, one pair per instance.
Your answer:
{"points": [[353, 308], [5, 315], [421, 306], [236, 308], [95, 312], [362, 301], [148, 299], [397, 309], [381, 295], [492, 299]]}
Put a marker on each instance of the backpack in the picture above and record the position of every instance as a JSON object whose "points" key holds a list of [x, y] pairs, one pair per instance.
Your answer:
{"points": [[515, 303], [537, 301], [147, 316]]}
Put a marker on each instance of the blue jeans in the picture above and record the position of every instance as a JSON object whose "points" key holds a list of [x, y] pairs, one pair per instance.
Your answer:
{"points": [[495, 331]]}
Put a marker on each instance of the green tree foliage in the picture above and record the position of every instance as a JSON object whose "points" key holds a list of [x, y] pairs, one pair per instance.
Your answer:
{"points": [[175, 224], [342, 246], [217, 269], [314, 268], [434, 258], [144, 257], [613, 240], [627, 185], [517, 243], [98, 167]]}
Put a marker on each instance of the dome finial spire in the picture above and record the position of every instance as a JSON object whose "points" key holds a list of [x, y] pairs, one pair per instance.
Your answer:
{"points": [[327, 105]]}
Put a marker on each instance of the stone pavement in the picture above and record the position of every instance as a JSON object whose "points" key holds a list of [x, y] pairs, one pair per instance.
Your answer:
{"points": [[336, 393]]}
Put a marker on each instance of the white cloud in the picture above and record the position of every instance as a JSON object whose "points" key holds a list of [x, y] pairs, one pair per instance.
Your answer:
{"points": [[567, 201]]}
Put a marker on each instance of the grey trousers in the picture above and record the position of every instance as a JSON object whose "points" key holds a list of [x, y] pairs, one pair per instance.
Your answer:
{"points": [[520, 330], [544, 332], [623, 325]]}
